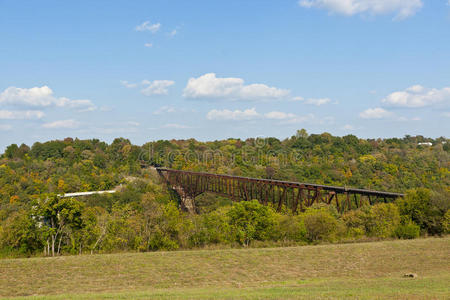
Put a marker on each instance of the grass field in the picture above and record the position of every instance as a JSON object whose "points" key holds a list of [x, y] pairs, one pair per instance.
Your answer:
{"points": [[361, 271]]}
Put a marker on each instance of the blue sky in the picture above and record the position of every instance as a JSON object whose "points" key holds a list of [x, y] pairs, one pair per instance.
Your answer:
{"points": [[149, 70]]}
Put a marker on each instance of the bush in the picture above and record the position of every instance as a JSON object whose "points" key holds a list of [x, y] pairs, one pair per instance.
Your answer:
{"points": [[20, 234], [161, 241], [356, 221], [382, 220], [217, 226], [290, 228], [409, 230], [207, 229], [321, 225], [251, 220], [426, 208], [446, 222]]}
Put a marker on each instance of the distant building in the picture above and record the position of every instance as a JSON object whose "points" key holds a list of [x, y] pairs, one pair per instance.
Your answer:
{"points": [[425, 144]]}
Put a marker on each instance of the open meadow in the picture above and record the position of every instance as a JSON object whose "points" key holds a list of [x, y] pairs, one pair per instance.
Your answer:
{"points": [[361, 271]]}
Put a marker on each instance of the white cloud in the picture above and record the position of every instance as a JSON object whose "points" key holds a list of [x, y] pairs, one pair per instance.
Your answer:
{"points": [[175, 126], [5, 127], [312, 101], [41, 97], [226, 114], [81, 105], [401, 8], [418, 96], [251, 114], [173, 33], [301, 119], [298, 98], [21, 115], [164, 109], [147, 26], [62, 124], [375, 113], [157, 87], [317, 101], [208, 86], [128, 84], [278, 115], [148, 45], [37, 96], [446, 114]]}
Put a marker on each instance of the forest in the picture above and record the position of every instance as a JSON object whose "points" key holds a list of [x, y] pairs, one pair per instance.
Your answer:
{"points": [[144, 215]]}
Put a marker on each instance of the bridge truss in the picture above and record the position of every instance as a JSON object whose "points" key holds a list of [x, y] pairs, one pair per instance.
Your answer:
{"points": [[292, 195]]}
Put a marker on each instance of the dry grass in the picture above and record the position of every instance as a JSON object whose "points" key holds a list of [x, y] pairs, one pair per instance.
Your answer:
{"points": [[366, 270]]}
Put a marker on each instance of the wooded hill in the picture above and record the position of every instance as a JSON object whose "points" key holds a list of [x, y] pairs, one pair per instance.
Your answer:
{"points": [[31, 176]]}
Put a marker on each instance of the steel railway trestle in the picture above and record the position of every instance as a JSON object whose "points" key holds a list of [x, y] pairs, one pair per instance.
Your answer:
{"points": [[293, 195]]}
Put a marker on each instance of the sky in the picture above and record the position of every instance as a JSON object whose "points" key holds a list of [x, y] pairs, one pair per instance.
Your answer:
{"points": [[166, 69]]}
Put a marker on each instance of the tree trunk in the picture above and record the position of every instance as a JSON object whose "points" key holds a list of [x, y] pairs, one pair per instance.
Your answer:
{"points": [[59, 244], [102, 235], [53, 244], [53, 237]]}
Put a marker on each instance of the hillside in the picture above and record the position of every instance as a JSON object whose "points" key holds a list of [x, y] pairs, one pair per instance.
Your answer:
{"points": [[360, 271], [144, 215]]}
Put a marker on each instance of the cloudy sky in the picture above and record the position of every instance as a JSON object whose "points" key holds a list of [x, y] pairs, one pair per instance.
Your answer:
{"points": [[150, 70]]}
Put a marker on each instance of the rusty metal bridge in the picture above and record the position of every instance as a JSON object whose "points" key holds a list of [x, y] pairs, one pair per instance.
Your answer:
{"points": [[292, 195]]}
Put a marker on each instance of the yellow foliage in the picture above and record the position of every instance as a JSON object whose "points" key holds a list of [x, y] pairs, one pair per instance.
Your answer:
{"points": [[367, 159], [13, 199], [348, 174], [126, 150], [61, 184]]}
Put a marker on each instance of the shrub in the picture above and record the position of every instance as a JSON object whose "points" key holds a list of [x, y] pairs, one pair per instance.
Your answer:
{"points": [[356, 221], [290, 228], [409, 230], [446, 222], [20, 234], [321, 225], [382, 220], [206, 229], [217, 226], [426, 208], [251, 220], [161, 241]]}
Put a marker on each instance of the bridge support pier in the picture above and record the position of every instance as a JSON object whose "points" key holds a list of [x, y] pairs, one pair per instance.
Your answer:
{"points": [[187, 202]]}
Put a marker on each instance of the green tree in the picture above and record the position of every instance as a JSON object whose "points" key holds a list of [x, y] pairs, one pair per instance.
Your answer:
{"points": [[382, 220], [20, 232], [57, 215], [321, 224], [425, 208], [251, 220]]}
